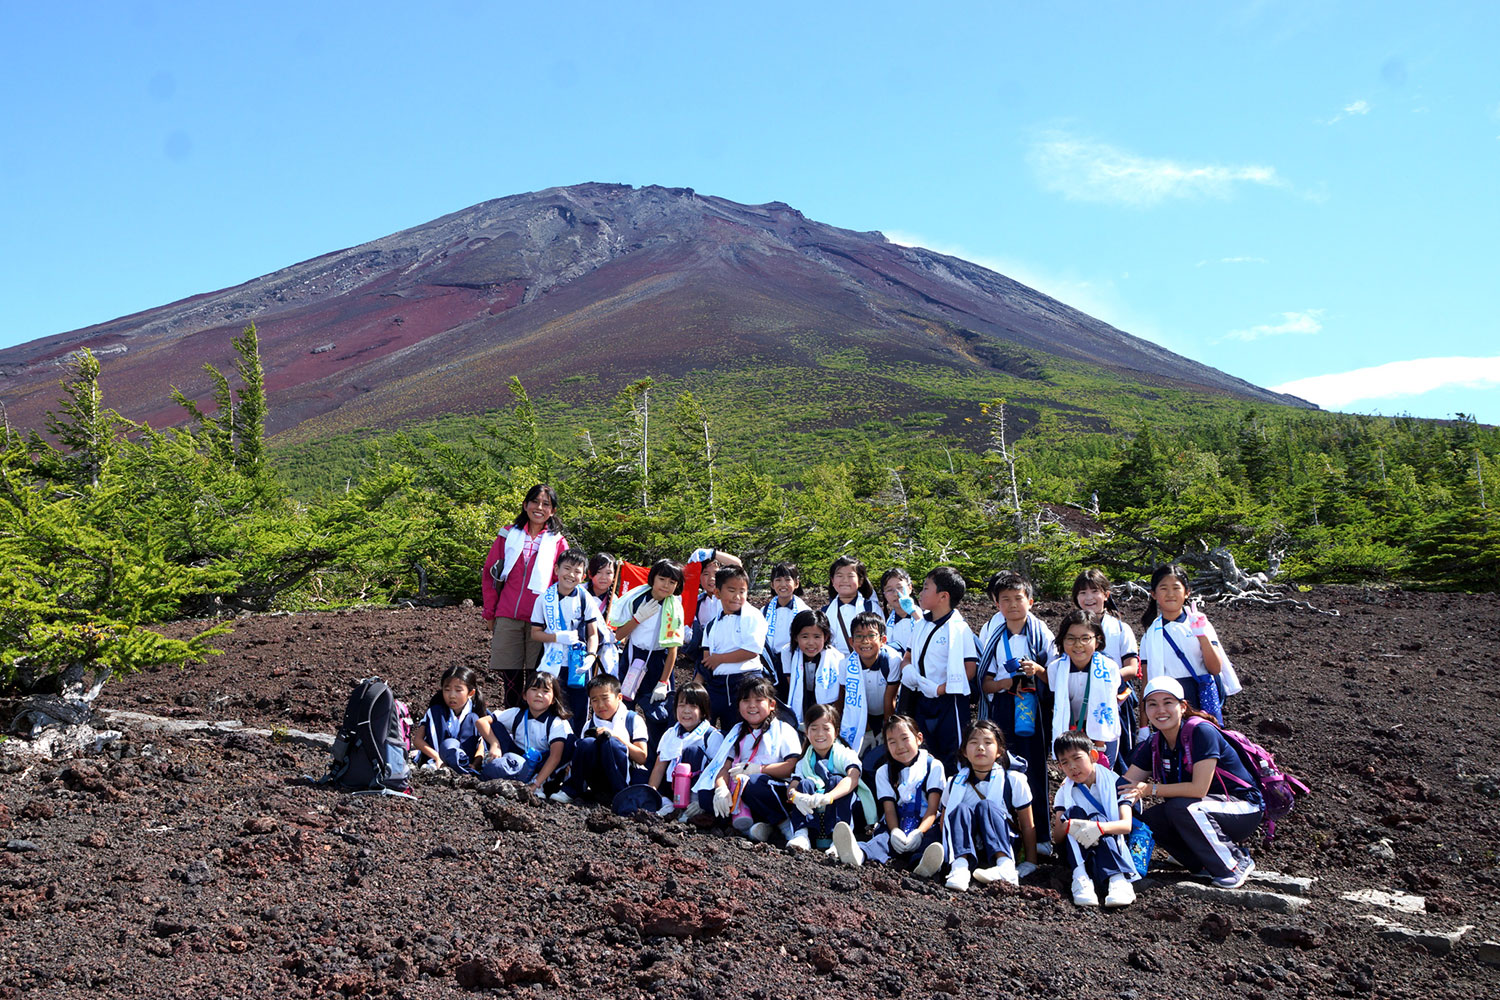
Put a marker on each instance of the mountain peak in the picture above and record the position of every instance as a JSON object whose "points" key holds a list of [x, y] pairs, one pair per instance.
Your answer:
{"points": [[601, 280]]}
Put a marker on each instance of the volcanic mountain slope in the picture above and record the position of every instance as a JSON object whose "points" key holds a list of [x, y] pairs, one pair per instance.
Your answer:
{"points": [[603, 281]]}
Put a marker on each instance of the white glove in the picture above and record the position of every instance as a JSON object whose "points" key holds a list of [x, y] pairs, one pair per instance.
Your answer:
{"points": [[659, 693], [1085, 831], [901, 842], [647, 611], [667, 808], [693, 809], [1197, 622], [744, 770], [804, 803], [723, 801], [929, 688], [566, 637], [910, 675], [868, 742], [1024, 868]]}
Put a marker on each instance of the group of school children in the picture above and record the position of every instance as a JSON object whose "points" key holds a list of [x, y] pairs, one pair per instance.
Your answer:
{"points": [[792, 709]]}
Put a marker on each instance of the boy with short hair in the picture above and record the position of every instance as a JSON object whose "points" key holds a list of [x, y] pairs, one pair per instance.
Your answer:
{"points": [[1016, 648], [612, 750], [880, 669], [564, 617], [940, 666], [732, 644], [1089, 822]]}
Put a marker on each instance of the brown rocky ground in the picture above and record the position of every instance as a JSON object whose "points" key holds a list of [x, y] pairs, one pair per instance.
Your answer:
{"points": [[193, 866]]}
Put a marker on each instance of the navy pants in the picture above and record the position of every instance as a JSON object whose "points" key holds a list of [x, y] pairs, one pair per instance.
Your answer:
{"points": [[1204, 833], [578, 703], [944, 722], [1034, 748], [765, 797], [820, 824], [724, 695], [1103, 861], [600, 765], [979, 831]]}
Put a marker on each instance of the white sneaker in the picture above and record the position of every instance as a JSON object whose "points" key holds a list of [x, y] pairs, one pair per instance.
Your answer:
{"points": [[1044, 849], [761, 832], [561, 797], [845, 847], [930, 862], [1084, 893], [744, 823], [799, 841], [958, 876], [1236, 878], [1005, 871], [1121, 892]]}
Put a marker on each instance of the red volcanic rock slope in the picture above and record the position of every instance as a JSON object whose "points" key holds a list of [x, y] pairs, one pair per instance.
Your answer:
{"points": [[597, 279]]}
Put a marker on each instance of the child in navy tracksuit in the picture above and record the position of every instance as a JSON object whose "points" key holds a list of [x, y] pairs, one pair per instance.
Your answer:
{"points": [[1017, 647], [456, 729], [909, 791], [1090, 820], [939, 668], [692, 741], [612, 750], [535, 737]]}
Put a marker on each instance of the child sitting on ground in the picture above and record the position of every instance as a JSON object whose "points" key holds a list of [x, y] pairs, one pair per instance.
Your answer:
{"points": [[982, 805], [1090, 820], [825, 782], [692, 741], [456, 728], [909, 789], [535, 739], [612, 749], [746, 782]]}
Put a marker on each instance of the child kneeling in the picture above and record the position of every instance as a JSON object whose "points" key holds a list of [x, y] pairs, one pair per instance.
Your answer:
{"points": [[611, 751], [1090, 820]]}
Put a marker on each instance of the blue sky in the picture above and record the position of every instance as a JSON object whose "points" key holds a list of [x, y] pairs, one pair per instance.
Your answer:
{"points": [[1302, 194]]}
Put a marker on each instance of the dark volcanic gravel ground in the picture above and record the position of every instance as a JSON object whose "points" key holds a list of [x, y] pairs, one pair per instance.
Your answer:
{"points": [[189, 866]]}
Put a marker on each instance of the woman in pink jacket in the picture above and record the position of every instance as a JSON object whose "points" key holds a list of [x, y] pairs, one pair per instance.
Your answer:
{"points": [[521, 565]]}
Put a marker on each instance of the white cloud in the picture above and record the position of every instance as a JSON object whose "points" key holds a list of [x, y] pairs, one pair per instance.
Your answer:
{"points": [[1085, 170], [1306, 322], [1360, 107], [1233, 260], [1396, 378]]}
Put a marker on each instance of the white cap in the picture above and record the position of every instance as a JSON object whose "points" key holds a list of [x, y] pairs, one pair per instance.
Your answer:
{"points": [[1168, 684]]}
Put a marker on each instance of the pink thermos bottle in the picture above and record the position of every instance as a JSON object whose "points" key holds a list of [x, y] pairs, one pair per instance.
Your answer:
{"points": [[682, 785]]}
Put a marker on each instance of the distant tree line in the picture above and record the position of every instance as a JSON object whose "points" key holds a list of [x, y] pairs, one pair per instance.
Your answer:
{"points": [[108, 526]]}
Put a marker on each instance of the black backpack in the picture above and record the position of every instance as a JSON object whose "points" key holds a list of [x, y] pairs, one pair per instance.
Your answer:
{"points": [[369, 752]]}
